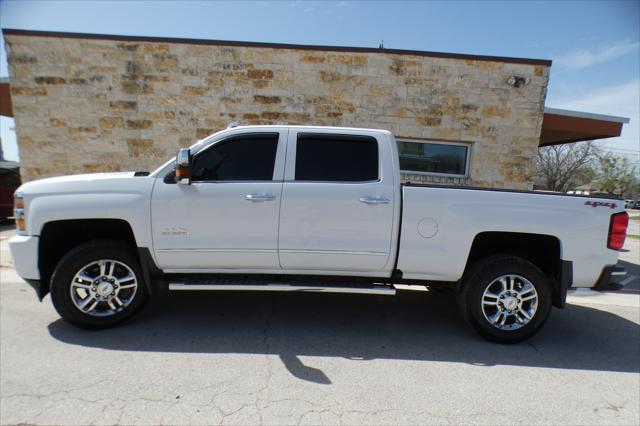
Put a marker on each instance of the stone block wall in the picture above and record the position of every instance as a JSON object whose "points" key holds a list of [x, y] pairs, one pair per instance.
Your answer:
{"points": [[100, 104]]}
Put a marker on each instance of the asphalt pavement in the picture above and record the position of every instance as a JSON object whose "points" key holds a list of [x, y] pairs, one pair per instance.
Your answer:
{"points": [[253, 358]]}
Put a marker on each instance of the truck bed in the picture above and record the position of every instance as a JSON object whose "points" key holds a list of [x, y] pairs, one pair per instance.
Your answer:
{"points": [[439, 221]]}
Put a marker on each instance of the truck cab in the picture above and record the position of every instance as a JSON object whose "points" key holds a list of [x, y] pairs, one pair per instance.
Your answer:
{"points": [[276, 200]]}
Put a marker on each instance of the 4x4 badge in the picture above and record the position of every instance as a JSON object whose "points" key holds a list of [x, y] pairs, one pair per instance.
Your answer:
{"points": [[600, 203]]}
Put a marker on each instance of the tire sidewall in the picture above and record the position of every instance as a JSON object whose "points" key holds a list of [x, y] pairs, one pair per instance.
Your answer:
{"points": [[486, 273], [73, 262]]}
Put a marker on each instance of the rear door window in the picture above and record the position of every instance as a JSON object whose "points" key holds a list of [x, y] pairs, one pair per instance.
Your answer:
{"points": [[336, 158]]}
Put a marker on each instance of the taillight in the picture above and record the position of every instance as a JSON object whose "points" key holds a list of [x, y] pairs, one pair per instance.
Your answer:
{"points": [[617, 230]]}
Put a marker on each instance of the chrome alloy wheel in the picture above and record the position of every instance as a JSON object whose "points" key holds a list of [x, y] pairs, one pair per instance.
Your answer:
{"points": [[103, 288], [509, 302]]}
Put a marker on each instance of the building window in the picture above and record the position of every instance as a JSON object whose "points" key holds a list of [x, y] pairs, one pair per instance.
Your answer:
{"points": [[434, 157]]}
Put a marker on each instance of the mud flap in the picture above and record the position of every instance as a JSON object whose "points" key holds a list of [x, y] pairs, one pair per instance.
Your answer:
{"points": [[41, 290]]}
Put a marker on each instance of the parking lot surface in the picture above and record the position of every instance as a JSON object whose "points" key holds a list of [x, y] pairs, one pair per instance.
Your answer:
{"points": [[250, 358]]}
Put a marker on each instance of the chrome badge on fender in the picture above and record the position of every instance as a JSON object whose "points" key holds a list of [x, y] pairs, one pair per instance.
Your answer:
{"points": [[175, 231]]}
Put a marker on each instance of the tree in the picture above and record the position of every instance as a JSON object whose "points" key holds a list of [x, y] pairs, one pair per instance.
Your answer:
{"points": [[617, 175], [566, 166]]}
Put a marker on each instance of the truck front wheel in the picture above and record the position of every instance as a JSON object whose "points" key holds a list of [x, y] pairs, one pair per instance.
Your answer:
{"points": [[98, 284], [506, 298]]}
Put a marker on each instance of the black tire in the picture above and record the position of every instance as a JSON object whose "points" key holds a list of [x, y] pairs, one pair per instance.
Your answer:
{"points": [[483, 274], [72, 262]]}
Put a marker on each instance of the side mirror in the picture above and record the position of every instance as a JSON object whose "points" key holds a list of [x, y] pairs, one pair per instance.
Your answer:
{"points": [[183, 166]]}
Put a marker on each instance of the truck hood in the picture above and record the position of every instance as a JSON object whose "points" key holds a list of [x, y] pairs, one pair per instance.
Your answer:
{"points": [[122, 196], [94, 182]]}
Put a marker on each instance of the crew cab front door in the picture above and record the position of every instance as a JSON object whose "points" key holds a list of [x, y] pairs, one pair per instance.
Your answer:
{"points": [[227, 218]]}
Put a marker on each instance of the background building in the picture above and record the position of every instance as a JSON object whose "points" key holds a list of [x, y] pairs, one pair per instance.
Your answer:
{"points": [[90, 103]]}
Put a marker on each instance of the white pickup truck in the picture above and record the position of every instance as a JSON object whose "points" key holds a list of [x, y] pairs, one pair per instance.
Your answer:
{"points": [[293, 208]]}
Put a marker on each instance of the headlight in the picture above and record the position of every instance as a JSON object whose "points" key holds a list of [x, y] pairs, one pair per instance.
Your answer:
{"points": [[18, 213]]}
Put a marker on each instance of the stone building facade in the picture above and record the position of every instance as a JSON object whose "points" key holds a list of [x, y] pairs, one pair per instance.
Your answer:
{"points": [[90, 103]]}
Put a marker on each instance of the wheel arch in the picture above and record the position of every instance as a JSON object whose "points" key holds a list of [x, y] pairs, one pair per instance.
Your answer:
{"points": [[544, 251], [59, 237]]}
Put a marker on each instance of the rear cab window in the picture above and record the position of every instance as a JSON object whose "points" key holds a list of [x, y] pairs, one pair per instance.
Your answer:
{"points": [[336, 158]]}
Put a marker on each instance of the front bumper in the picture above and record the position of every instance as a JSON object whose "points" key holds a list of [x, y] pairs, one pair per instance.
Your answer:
{"points": [[24, 250], [609, 277]]}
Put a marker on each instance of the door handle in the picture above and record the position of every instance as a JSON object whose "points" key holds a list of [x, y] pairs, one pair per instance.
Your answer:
{"points": [[374, 200], [258, 198]]}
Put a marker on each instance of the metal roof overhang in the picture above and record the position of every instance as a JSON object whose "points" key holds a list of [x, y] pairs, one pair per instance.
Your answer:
{"points": [[564, 126]]}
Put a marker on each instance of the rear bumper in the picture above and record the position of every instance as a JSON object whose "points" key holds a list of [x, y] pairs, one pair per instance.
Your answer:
{"points": [[609, 277], [24, 250]]}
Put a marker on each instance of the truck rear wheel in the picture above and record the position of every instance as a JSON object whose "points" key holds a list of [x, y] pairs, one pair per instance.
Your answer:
{"points": [[98, 284], [506, 298]]}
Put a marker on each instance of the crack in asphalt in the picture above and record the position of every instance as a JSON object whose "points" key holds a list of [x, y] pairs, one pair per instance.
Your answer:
{"points": [[265, 342]]}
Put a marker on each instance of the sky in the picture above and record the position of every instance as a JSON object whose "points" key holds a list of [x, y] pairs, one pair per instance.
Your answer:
{"points": [[595, 46]]}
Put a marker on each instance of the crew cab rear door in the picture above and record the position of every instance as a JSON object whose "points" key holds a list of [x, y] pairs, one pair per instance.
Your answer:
{"points": [[338, 203], [227, 218]]}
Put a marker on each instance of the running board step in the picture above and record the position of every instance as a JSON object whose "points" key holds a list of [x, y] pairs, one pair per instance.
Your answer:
{"points": [[382, 289]]}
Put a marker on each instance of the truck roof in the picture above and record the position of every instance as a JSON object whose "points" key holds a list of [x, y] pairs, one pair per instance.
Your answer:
{"points": [[298, 127]]}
